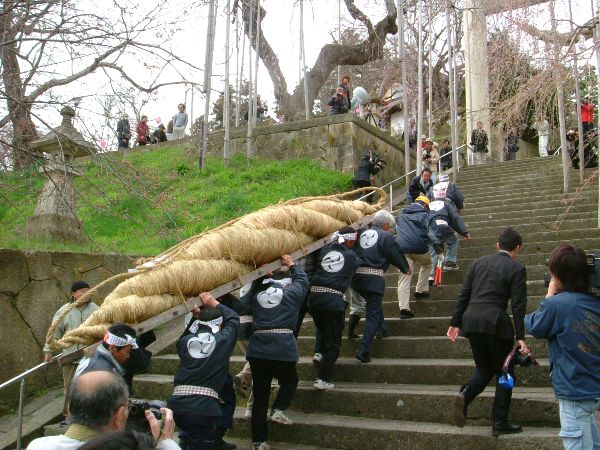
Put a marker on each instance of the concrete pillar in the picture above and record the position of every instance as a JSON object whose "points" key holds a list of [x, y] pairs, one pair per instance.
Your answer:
{"points": [[477, 70]]}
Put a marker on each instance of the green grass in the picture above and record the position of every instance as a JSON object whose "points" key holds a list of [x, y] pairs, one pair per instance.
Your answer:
{"points": [[148, 201]]}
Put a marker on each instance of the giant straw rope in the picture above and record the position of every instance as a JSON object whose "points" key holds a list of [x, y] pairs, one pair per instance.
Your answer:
{"points": [[213, 258]]}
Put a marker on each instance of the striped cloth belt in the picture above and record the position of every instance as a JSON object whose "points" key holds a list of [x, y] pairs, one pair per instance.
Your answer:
{"points": [[186, 389], [369, 271], [326, 290], [245, 319], [275, 331]]}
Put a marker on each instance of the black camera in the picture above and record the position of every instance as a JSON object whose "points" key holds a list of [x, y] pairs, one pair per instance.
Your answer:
{"points": [[593, 273], [137, 414]]}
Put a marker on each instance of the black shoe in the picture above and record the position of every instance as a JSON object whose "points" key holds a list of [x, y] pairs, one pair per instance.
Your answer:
{"points": [[504, 427], [431, 281], [460, 410], [353, 320], [421, 294], [223, 445], [353, 335], [363, 358], [406, 314], [450, 266], [63, 423]]}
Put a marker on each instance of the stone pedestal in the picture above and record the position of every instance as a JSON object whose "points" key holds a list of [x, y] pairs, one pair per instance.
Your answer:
{"points": [[55, 215]]}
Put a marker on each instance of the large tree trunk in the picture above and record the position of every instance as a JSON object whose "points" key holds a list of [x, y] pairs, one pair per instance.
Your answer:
{"points": [[330, 56], [24, 131]]}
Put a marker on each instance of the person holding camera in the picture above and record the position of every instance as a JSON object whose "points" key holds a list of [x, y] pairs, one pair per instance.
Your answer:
{"points": [[368, 167], [568, 318], [480, 315], [338, 103], [204, 350]]}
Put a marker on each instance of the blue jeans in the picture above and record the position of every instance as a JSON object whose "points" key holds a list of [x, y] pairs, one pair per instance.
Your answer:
{"points": [[451, 243], [374, 320], [578, 425]]}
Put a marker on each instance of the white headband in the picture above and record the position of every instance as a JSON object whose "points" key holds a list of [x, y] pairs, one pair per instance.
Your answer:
{"points": [[214, 325], [112, 339], [341, 238], [284, 282]]}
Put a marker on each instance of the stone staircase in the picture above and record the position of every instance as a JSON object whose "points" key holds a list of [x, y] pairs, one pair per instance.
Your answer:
{"points": [[403, 398]]}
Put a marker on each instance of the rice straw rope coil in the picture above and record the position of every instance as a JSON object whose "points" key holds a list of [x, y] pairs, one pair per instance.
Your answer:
{"points": [[215, 257]]}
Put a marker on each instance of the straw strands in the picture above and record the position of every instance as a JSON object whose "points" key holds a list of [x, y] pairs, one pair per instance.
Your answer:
{"points": [[216, 257]]}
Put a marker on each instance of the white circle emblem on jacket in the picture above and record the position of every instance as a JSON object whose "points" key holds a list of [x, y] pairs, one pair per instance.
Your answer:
{"points": [[333, 262], [270, 298], [368, 238], [201, 346]]}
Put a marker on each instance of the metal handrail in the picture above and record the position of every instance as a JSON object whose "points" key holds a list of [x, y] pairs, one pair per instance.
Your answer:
{"points": [[557, 152], [391, 183]]}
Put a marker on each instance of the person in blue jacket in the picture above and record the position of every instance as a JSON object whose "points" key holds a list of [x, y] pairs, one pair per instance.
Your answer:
{"points": [[273, 349], [336, 265], [569, 318], [377, 249], [204, 354]]}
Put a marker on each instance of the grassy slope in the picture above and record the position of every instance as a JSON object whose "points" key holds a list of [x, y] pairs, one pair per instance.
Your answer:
{"points": [[143, 205]]}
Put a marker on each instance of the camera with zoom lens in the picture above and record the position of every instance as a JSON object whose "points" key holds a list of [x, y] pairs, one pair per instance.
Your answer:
{"points": [[137, 414], [593, 273]]}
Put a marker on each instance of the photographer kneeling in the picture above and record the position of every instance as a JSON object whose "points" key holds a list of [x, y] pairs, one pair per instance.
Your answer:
{"points": [[569, 318]]}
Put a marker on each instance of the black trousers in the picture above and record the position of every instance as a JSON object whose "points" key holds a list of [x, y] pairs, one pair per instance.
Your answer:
{"points": [[263, 371], [330, 325], [489, 354]]}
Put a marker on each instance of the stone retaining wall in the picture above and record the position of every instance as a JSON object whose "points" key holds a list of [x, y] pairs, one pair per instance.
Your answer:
{"points": [[33, 285]]}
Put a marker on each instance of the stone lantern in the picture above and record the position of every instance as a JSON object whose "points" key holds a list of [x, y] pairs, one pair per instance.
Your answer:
{"points": [[55, 215]]}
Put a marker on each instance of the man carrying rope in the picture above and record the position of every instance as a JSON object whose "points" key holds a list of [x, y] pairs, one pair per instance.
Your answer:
{"points": [[273, 350], [72, 320], [377, 249]]}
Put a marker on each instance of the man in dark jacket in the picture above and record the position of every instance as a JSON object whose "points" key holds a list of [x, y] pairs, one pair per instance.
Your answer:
{"points": [[453, 192], [204, 354], [336, 265], [368, 167], [377, 250], [273, 349], [415, 234], [446, 221], [338, 103], [479, 144], [480, 315], [123, 132], [419, 185], [115, 349]]}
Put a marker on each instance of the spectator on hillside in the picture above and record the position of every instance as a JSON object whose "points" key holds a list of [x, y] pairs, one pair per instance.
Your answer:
{"points": [[123, 132], [345, 86], [159, 135], [512, 144], [479, 144], [170, 130], [99, 404], [419, 185], [368, 167], [143, 131], [180, 121], [569, 317], [587, 118], [73, 320], [431, 157], [338, 103], [543, 129]]}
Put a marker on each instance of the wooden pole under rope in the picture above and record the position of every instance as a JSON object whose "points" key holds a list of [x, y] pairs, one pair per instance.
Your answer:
{"points": [[208, 59], [226, 91]]}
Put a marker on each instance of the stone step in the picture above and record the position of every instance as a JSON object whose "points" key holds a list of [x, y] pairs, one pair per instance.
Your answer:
{"points": [[534, 272], [451, 291], [502, 201], [345, 432], [531, 207], [585, 220], [384, 370], [500, 178], [531, 239], [543, 214], [533, 406], [542, 249]]}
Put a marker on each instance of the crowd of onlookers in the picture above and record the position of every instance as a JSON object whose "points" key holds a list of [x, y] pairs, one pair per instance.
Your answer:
{"points": [[175, 129]]}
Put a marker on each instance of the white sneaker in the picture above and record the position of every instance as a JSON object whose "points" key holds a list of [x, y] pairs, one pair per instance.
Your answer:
{"points": [[317, 359], [279, 416], [248, 412], [260, 446], [323, 385]]}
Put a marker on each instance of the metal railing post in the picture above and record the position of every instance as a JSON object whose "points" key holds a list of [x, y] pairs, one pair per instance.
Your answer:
{"points": [[20, 413], [391, 197]]}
